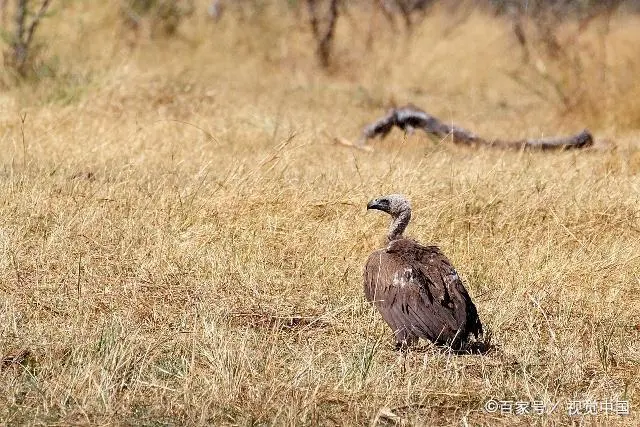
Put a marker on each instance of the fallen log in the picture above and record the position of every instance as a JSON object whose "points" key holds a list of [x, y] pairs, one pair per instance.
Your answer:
{"points": [[409, 118]]}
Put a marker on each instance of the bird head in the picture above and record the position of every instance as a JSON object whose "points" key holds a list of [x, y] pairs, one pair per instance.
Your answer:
{"points": [[393, 204]]}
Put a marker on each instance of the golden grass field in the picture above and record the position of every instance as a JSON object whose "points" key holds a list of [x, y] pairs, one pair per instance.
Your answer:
{"points": [[181, 242]]}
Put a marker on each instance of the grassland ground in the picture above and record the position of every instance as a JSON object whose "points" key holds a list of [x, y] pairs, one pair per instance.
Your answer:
{"points": [[181, 243]]}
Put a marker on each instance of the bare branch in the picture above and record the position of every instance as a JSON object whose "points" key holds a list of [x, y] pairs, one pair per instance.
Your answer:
{"points": [[405, 8], [323, 39], [36, 20], [19, 48], [23, 35]]}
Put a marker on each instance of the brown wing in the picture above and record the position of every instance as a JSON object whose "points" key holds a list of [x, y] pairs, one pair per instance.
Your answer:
{"points": [[419, 294]]}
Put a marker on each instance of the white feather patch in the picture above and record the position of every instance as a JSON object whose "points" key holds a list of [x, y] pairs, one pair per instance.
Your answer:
{"points": [[403, 278]]}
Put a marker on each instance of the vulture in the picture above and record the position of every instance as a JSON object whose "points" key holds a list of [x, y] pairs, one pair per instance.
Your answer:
{"points": [[416, 289]]}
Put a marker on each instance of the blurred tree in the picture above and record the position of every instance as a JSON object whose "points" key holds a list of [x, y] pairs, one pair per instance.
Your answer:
{"points": [[406, 8], [161, 16], [20, 40], [323, 32]]}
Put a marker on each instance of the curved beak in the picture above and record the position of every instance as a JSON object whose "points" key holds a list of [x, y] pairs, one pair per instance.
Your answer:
{"points": [[375, 204]]}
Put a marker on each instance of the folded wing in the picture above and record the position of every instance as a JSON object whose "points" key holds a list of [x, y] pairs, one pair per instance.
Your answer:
{"points": [[419, 294]]}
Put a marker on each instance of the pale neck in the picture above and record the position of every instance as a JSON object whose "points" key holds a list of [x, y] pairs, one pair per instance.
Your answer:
{"points": [[398, 225]]}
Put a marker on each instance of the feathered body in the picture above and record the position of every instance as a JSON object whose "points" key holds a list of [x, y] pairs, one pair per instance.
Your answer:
{"points": [[416, 289]]}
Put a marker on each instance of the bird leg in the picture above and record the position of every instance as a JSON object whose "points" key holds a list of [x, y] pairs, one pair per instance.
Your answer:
{"points": [[404, 340]]}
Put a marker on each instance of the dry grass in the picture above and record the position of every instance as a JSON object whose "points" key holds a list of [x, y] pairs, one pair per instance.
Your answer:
{"points": [[181, 243]]}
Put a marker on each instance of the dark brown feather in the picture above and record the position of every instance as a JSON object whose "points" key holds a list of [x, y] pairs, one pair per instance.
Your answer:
{"points": [[420, 295]]}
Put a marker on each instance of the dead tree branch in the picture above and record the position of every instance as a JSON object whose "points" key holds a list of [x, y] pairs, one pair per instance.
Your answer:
{"points": [[36, 21], [23, 36], [410, 117], [324, 38]]}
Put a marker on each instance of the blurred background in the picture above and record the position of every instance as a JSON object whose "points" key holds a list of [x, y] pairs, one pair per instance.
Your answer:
{"points": [[549, 64]]}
